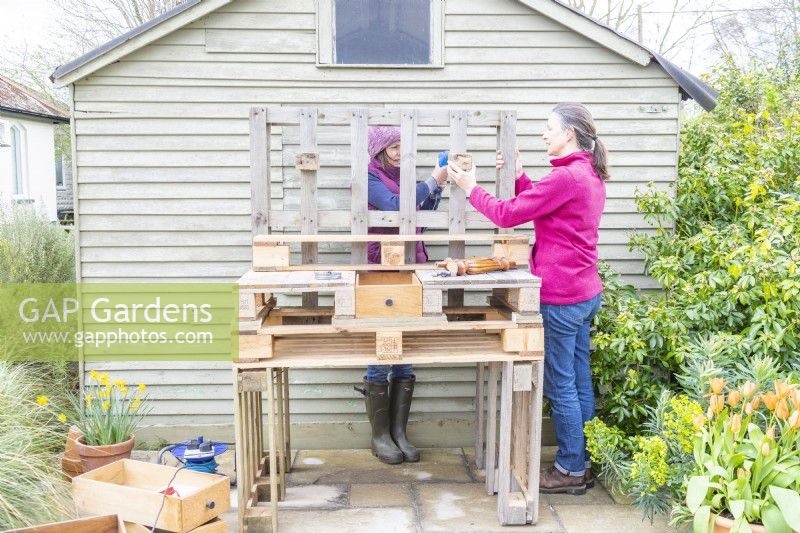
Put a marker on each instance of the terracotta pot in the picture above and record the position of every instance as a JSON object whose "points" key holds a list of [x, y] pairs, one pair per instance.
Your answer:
{"points": [[723, 525], [71, 461], [96, 456]]}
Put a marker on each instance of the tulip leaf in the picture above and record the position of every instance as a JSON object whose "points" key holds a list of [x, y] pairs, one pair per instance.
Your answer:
{"points": [[789, 503], [703, 520], [772, 518], [696, 492]]}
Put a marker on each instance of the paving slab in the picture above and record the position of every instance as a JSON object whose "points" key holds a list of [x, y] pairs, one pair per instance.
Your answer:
{"points": [[448, 507], [577, 519], [380, 495], [385, 520], [315, 496], [359, 466]]}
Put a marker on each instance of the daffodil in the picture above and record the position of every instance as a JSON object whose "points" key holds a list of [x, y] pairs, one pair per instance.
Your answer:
{"points": [[119, 383], [62, 418], [106, 405], [42, 400], [89, 398], [142, 387], [94, 375], [135, 404], [104, 379]]}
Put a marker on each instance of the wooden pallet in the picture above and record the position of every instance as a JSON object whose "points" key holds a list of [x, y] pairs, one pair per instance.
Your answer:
{"points": [[397, 310]]}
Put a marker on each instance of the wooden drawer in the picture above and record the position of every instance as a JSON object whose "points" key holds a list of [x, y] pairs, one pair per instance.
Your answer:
{"points": [[388, 295], [131, 489]]}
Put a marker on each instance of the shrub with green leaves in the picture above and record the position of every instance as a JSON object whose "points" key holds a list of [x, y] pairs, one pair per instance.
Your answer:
{"points": [[32, 249], [726, 255]]}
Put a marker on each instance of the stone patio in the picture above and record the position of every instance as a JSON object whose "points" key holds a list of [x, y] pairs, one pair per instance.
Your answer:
{"points": [[350, 491]]}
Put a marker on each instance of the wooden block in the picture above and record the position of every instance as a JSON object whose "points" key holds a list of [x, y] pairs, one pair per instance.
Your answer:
{"points": [[523, 376], [255, 347], [251, 381], [516, 251], [523, 339], [393, 253], [515, 510], [463, 160], [387, 295], [131, 489], [270, 256], [250, 304], [94, 524], [344, 303], [306, 161], [389, 345], [431, 302]]}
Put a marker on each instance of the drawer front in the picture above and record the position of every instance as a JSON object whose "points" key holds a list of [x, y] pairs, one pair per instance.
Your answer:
{"points": [[387, 301]]}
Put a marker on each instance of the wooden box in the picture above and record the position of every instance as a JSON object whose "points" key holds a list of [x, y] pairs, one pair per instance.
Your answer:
{"points": [[131, 489], [388, 295], [215, 526], [96, 524]]}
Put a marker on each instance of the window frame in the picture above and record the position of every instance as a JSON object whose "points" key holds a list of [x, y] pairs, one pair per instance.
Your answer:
{"points": [[326, 40], [18, 152]]}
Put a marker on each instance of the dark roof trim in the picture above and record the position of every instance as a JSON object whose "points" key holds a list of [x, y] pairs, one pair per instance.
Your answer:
{"points": [[52, 118], [691, 86], [100, 50]]}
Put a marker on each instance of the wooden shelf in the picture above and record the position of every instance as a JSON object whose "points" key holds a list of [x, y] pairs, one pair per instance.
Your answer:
{"points": [[343, 237], [358, 349]]}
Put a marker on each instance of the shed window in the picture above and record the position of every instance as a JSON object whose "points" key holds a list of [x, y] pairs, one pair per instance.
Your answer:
{"points": [[16, 161], [380, 32]]}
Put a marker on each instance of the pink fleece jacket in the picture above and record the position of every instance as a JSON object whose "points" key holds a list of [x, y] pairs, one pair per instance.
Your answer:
{"points": [[565, 208]]}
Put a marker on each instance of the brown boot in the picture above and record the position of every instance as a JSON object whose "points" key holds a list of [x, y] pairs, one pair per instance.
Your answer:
{"points": [[588, 478], [551, 481]]}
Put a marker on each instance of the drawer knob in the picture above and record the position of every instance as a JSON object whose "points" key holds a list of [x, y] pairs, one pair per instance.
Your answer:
{"points": [[389, 302]]}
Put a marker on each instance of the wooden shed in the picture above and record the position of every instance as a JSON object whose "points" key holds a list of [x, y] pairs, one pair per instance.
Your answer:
{"points": [[161, 154]]}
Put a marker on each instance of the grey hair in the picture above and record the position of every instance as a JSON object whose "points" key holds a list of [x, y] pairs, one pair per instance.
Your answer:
{"points": [[577, 117]]}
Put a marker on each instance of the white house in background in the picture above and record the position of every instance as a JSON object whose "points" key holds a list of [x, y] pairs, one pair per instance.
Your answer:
{"points": [[27, 147]]}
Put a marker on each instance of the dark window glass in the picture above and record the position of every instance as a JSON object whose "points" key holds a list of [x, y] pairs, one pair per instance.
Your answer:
{"points": [[59, 172], [383, 32]]}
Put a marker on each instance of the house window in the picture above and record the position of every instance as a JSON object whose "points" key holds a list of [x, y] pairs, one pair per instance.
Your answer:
{"points": [[16, 161], [59, 172], [401, 33]]}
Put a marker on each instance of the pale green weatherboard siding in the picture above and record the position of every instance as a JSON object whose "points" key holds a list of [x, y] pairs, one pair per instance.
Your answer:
{"points": [[163, 178]]}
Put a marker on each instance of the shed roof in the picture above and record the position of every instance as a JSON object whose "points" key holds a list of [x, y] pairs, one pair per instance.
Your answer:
{"points": [[690, 85], [18, 99]]}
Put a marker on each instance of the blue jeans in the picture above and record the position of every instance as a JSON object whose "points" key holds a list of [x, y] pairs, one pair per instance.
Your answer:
{"points": [[568, 378], [380, 373]]}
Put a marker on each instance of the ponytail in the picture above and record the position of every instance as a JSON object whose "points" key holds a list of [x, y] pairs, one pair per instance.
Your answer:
{"points": [[577, 116]]}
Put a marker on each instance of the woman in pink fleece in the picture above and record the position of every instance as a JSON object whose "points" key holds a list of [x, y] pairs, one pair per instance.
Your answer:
{"points": [[565, 207]]}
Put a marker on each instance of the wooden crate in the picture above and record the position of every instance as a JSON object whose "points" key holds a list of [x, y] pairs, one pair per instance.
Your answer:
{"points": [[131, 489], [95, 524], [388, 295]]}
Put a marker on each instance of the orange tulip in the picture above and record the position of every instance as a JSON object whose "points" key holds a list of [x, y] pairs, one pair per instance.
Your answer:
{"points": [[771, 432], [782, 389], [765, 449], [794, 420], [717, 403], [742, 473], [717, 384], [748, 408], [782, 410], [796, 398], [736, 423], [733, 398], [749, 389], [698, 421], [770, 400], [756, 402]]}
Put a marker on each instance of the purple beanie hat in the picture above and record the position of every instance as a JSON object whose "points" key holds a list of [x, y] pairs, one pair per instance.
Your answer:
{"points": [[380, 137]]}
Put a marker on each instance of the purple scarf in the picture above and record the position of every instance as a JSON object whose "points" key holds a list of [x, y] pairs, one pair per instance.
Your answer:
{"points": [[391, 180]]}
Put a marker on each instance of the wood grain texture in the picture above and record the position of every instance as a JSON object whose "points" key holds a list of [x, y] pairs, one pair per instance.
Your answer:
{"points": [[408, 181], [359, 177], [308, 194], [259, 171]]}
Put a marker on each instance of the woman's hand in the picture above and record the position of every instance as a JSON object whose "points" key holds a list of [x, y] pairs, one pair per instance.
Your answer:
{"points": [[518, 170], [440, 175], [465, 180]]}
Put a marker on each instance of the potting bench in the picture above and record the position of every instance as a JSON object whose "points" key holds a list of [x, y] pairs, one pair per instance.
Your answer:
{"points": [[397, 311]]}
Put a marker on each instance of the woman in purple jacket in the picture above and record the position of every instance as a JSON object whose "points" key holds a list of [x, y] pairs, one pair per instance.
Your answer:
{"points": [[565, 207], [388, 404]]}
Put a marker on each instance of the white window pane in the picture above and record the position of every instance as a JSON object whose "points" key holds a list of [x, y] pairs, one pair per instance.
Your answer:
{"points": [[16, 159], [383, 32]]}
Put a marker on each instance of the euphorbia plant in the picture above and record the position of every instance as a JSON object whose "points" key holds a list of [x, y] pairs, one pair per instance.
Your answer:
{"points": [[747, 455]]}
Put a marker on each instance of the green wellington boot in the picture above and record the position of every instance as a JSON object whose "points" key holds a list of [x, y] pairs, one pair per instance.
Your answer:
{"points": [[376, 396], [400, 394]]}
